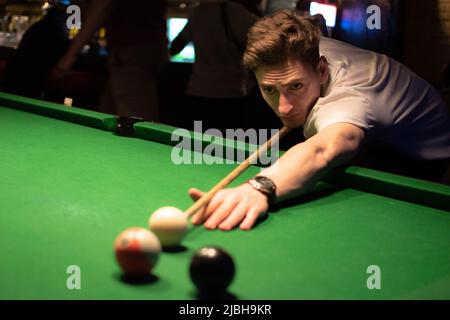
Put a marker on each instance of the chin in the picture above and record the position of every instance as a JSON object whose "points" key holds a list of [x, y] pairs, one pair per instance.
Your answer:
{"points": [[291, 123]]}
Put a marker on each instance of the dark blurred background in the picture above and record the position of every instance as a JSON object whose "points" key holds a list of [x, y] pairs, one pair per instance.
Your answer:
{"points": [[414, 32]]}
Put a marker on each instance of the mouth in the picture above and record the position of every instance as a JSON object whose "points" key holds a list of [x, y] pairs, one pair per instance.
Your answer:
{"points": [[288, 117], [291, 120]]}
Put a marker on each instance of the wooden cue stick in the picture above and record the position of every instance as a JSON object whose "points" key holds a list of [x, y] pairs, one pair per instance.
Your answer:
{"points": [[235, 173]]}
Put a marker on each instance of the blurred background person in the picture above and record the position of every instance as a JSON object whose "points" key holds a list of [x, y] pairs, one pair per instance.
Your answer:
{"points": [[270, 6], [137, 51], [302, 9], [218, 87], [40, 48]]}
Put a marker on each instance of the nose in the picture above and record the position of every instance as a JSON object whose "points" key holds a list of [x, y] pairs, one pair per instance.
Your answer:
{"points": [[285, 105]]}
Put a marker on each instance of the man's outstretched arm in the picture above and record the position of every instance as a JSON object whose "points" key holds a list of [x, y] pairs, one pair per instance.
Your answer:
{"points": [[300, 168]]}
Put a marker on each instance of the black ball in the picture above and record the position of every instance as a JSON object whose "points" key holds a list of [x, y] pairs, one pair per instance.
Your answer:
{"points": [[211, 270]]}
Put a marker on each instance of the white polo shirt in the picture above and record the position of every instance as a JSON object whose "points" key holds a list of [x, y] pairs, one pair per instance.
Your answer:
{"points": [[386, 99]]}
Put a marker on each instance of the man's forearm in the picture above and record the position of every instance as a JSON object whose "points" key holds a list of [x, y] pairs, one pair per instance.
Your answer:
{"points": [[302, 166], [297, 171]]}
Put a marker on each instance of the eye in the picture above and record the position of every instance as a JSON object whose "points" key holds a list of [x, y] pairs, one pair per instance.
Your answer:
{"points": [[297, 86], [268, 90]]}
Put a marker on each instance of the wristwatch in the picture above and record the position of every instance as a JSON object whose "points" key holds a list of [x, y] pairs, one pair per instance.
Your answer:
{"points": [[266, 186]]}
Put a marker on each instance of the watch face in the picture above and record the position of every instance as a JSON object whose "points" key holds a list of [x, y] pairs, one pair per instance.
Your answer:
{"points": [[266, 183]]}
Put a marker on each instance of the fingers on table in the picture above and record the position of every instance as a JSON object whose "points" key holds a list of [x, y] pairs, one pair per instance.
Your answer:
{"points": [[228, 209], [251, 217], [215, 215], [236, 216], [203, 214]]}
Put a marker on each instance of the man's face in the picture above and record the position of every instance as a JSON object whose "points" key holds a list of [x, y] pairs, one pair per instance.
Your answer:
{"points": [[292, 89]]}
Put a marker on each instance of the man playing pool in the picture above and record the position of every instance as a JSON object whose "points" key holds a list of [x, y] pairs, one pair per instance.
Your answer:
{"points": [[343, 97]]}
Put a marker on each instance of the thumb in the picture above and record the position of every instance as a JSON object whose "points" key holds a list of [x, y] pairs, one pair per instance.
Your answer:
{"points": [[195, 194]]}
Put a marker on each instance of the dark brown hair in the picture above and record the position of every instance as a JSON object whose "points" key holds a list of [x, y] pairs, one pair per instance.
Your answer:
{"points": [[280, 37]]}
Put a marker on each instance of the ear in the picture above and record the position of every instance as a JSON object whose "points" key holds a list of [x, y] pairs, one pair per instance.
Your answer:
{"points": [[323, 70]]}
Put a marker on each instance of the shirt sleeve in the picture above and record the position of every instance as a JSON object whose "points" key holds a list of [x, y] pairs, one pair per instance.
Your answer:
{"points": [[342, 105]]}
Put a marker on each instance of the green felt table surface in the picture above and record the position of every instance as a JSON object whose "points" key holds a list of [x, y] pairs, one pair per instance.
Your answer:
{"points": [[67, 190]]}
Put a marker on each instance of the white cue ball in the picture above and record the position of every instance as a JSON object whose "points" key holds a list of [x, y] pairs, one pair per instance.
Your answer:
{"points": [[170, 225]]}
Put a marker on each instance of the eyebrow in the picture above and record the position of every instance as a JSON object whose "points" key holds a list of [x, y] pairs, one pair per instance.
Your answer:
{"points": [[285, 84]]}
